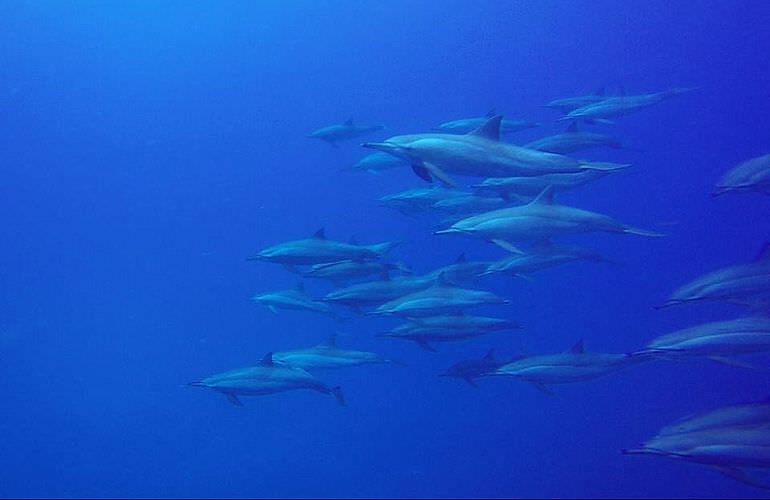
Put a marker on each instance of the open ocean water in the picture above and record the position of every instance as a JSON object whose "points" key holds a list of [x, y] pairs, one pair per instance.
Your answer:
{"points": [[150, 148]]}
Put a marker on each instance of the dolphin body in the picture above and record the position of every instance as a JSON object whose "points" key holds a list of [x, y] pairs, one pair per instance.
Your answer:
{"points": [[469, 204], [742, 284], [447, 328], [507, 187], [575, 365], [539, 219], [751, 175], [344, 131], [328, 355], [621, 105], [567, 104], [727, 416], [440, 298], [373, 293], [470, 369], [574, 140], [542, 256], [267, 377], [418, 200], [461, 270], [375, 163], [295, 299], [478, 154], [318, 250], [714, 340], [346, 270], [465, 125]]}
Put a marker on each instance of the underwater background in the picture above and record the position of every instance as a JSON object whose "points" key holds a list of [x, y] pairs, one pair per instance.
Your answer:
{"points": [[148, 148]]}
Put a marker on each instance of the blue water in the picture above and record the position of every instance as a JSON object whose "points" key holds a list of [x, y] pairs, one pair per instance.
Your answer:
{"points": [[149, 147]]}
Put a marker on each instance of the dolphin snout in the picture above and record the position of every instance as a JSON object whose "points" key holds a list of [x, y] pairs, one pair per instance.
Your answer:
{"points": [[196, 384]]}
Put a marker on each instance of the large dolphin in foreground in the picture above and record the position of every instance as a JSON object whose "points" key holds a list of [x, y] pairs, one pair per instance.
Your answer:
{"points": [[328, 355], [729, 439], [621, 105], [541, 218], [465, 125], [574, 365], [751, 175], [478, 154], [296, 299], [267, 377], [318, 250], [348, 130]]}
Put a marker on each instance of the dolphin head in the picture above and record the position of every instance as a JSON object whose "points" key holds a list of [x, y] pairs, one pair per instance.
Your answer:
{"points": [[397, 150]]}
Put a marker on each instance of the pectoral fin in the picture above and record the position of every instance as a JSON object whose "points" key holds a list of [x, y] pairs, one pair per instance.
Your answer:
{"points": [[421, 172], [470, 381], [440, 174], [273, 309], [234, 400], [425, 345], [543, 388]]}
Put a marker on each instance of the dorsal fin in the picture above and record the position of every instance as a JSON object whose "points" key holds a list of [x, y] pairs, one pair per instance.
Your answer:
{"points": [[764, 252], [600, 91], [300, 287], [460, 258], [578, 348], [490, 129], [320, 234], [267, 360], [573, 127], [490, 356], [545, 196], [330, 342], [491, 113], [349, 122]]}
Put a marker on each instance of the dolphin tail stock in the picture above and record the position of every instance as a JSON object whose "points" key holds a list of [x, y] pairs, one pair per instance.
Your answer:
{"points": [[337, 393], [641, 232]]}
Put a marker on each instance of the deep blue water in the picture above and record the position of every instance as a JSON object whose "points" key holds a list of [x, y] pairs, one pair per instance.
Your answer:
{"points": [[149, 147]]}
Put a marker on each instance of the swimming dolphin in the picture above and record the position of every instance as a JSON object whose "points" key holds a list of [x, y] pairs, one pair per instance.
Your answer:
{"points": [[295, 299], [447, 328], [575, 365], [714, 340], [541, 256], [574, 140], [469, 204], [343, 131], [346, 270], [328, 355], [266, 377], [541, 218], [727, 416], [417, 200], [751, 175], [374, 293], [478, 153], [375, 163], [567, 104], [440, 298], [507, 187], [461, 270], [469, 369], [742, 284], [317, 250], [465, 125], [621, 105]]}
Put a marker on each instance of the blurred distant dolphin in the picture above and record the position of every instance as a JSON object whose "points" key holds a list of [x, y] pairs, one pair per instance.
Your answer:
{"points": [[296, 299], [567, 104], [574, 140], [465, 125], [470, 369], [375, 163], [751, 175], [447, 328], [328, 355], [621, 105], [343, 131]]}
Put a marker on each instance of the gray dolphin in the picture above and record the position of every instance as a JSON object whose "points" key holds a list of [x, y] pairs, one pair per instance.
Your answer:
{"points": [[742, 284], [447, 328], [714, 340], [567, 104], [295, 299], [375, 163], [575, 365], [465, 125], [346, 270], [266, 377], [470, 204], [418, 200], [328, 355], [470, 369], [461, 270], [541, 218], [751, 175], [343, 131], [574, 140], [318, 249], [478, 153], [532, 186], [440, 298], [543, 255], [621, 105], [374, 293], [727, 416]]}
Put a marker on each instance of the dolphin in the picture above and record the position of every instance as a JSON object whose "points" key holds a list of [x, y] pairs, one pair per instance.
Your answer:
{"points": [[328, 355], [465, 125], [742, 284], [375, 163], [440, 298], [621, 105], [574, 365], [267, 377], [469, 204], [296, 299], [728, 416], [542, 256], [714, 340], [532, 186], [461, 270], [539, 219], [478, 154], [346, 270], [318, 250], [751, 175], [418, 200], [469, 369], [567, 104], [574, 140], [374, 293], [423, 331], [348, 130]]}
